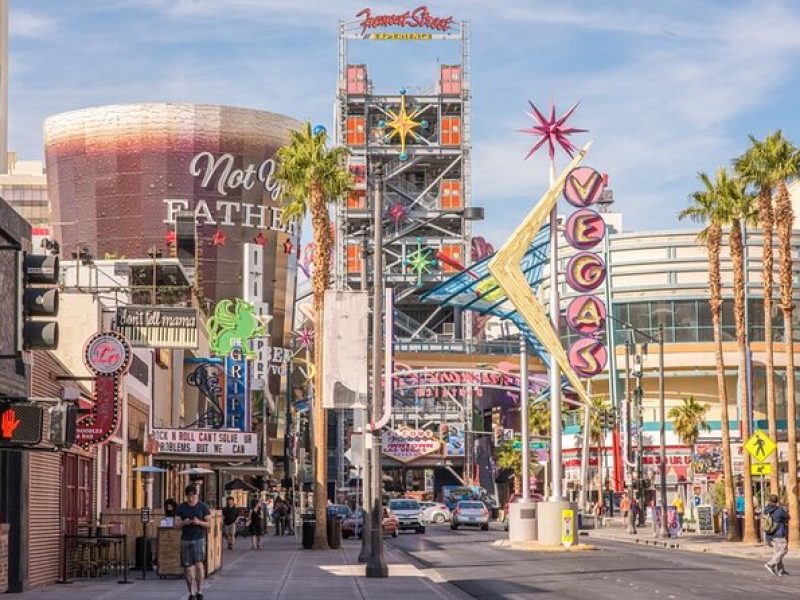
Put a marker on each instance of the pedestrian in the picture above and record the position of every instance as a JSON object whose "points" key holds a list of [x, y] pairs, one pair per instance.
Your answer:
{"points": [[289, 525], [230, 514], [280, 516], [774, 521], [193, 518], [598, 513], [624, 505], [739, 503], [255, 523], [677, 503], [633, 511]]}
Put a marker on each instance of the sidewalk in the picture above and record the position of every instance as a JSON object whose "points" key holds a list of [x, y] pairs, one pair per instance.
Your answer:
{"points": [[693, 542], [281, 569]]}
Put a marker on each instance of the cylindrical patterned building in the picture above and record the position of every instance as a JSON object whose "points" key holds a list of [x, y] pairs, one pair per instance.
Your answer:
{"points": [[120, 175]]}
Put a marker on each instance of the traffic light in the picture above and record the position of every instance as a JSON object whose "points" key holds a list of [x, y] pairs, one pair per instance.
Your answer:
{"points": [[38, 328], [64, 423], [21, 423]]}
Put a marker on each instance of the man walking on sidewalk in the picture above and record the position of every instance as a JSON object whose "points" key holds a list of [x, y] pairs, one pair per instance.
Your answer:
{"points": [[773, 524], [230, 514], [193, 519]]}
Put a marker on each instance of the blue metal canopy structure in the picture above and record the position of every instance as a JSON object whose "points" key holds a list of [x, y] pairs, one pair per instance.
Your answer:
{"points": [[475, 289]]}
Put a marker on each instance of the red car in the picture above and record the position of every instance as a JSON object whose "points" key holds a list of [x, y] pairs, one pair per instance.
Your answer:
{"points": [[353, 524]]}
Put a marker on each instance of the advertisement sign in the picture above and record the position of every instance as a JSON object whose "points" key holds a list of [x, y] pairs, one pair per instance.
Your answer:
{"points": [[419, 18], [567, 527], [406, 445], [237, 398], [158, 326], [107, 355], [234, 324], [453, 438], [345, 347], [205, 442]]}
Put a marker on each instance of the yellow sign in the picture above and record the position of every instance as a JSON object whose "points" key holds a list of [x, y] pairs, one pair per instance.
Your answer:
{"points": [[761, 469], [567, 527], [760, 446]]}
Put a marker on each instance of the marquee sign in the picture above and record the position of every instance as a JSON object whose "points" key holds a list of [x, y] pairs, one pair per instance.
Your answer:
{"points": [[158, 326], [219, 176], [234, 324], [107, 355], [406, 445], [419, 18], [205, 443], [586, 271]]}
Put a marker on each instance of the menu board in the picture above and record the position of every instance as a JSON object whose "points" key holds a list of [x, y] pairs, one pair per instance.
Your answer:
{"points": [[705, 519]]}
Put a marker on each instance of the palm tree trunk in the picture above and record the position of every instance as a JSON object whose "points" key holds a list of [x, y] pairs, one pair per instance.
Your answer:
{"points": [[715, 284], [319, 282], [737, 254], [784, 217], [766, 221]]}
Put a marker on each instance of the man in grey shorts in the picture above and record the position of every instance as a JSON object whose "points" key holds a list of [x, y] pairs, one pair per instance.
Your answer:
{"points": [[193, 518]]}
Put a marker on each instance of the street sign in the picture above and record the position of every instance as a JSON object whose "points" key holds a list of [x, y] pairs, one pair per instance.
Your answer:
{"points": [[761, 469], [534, 445], [760, 446], [145, 514]]}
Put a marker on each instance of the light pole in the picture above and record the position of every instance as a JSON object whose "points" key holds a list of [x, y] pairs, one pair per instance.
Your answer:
{"points": [[523, 409], [364, 470], [662, 432], [376, 565]]}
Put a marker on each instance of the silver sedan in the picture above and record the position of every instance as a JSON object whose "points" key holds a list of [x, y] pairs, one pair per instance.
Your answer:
{"points": [[435, 512], [470, 512]]}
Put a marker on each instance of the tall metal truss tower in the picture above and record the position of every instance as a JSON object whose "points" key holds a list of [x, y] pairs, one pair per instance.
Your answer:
{"points": [[420, 141]]}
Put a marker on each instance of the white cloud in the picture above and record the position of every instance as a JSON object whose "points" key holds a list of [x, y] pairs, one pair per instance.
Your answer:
{"points": [[31, 25]]}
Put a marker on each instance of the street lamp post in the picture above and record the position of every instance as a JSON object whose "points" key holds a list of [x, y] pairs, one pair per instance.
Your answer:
{"points": [[523, 409], [376, 565], [662, 432]]}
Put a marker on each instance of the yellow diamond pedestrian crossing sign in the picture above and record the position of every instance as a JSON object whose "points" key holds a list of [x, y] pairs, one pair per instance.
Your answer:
{"points": [[760, 446], [761, 469]]}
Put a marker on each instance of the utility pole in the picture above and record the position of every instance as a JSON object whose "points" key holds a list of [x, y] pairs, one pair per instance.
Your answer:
{"points": [[376, 565], [366, 413], [662, 430], [523, 409]]}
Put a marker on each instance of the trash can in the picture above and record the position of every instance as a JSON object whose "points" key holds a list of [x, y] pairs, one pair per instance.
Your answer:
{"points": [[309, 525], [334, 532]]}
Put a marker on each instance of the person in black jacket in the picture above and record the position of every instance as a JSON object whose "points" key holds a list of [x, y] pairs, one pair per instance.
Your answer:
{"points": [[230, 514], [777, 537]]}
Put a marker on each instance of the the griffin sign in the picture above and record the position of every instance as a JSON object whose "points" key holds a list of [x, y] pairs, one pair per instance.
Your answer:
{"points": [[234, 325]]}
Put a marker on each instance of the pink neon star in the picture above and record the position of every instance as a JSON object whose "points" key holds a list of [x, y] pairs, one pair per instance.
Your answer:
{"points": [[305, 338], [398, 213], [552, 131]]}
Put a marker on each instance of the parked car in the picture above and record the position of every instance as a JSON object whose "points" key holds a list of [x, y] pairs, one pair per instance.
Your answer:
{"points": [[408, 513], [353, 524], [339, 510], [470, 512], [435, 512]]}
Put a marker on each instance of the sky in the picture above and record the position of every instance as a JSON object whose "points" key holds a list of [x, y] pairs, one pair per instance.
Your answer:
{"points": [[667, 89]]}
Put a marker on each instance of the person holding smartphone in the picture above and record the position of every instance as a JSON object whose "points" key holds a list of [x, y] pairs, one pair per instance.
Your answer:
{"points": [[193, 518]]}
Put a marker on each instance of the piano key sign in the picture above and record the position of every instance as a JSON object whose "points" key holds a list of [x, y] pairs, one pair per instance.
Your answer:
{"points": [[158, 326], [586, 271]]}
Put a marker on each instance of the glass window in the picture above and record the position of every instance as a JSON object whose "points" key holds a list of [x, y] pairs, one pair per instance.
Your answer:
{"points": [[639, 315]]}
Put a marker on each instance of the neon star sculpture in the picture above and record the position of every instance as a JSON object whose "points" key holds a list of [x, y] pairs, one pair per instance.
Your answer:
{"points": [[552, 131], [398, 213], [420, 262], [402, 125], [305, 338]]}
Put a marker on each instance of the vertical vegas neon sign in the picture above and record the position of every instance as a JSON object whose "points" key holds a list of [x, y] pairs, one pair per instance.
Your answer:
{"points": [[586, 271]]}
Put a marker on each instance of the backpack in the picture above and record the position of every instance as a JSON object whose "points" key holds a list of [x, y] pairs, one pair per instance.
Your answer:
{"points": [[768, 524]]}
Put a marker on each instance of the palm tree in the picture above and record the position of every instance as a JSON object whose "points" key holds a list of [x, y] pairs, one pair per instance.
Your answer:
{"points": [[313, 176], [755, 168], [688, 420], [509, 458], [731, 191], [596, 430], [784, 160], [706, 209], [539, 419]]}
